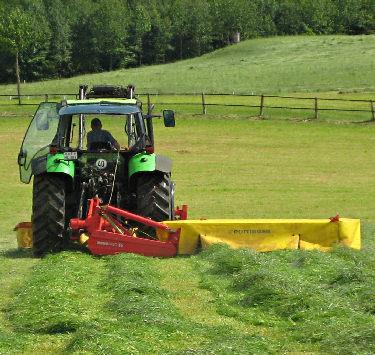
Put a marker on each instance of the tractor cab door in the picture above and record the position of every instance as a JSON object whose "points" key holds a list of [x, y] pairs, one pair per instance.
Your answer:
{"points": [[40, 134]]}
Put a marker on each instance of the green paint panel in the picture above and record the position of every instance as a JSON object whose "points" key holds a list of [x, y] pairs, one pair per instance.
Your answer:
{"points": [[57, 164], [142, 162]]}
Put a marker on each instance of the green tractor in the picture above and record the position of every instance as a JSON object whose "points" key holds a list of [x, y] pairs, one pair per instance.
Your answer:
{"points": [[69, 169]]}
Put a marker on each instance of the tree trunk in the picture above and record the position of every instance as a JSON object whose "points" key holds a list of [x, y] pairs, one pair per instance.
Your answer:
{"points": [[180, 47], [18, 79], [110, 62], [140, 53]]}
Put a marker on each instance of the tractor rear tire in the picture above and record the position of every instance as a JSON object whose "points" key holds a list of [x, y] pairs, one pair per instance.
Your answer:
{"points": [[155, 199], [49, 214]]}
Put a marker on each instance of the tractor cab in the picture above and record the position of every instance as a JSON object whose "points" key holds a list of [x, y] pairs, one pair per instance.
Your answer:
{"points": [[121, 123], [73, 161], [65, 127]]}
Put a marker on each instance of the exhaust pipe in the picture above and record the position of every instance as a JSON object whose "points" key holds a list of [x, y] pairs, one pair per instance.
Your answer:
{"points": [[81, 96]]}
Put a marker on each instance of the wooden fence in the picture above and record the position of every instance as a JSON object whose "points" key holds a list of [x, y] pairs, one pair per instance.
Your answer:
{"points": [[263, 103], [249, 104]]}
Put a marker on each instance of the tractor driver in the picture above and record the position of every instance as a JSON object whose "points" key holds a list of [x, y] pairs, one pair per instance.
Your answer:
{"points": [[99, 138]]}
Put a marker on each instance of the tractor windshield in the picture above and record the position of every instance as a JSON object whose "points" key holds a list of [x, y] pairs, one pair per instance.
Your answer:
{"points": [[104, 126], [126, 130]]}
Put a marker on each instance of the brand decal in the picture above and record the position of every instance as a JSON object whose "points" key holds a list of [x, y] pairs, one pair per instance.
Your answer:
{"points": [[251, 231], [110, 244]]}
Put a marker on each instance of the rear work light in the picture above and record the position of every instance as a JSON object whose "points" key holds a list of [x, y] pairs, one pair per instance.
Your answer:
{"points": [[150, 150], [52, 150]]}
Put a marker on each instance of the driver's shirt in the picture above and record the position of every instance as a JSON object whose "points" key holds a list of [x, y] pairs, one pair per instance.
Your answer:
{"points": [[99, 135]]}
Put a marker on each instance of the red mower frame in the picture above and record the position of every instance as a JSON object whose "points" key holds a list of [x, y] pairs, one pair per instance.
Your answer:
{"points": [[108, 236]]}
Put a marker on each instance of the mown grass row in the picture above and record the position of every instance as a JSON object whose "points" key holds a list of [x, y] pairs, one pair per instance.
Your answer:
{"points": [[146, 321], [60, 295], [109, 305], [322, 301], [296, 301]]}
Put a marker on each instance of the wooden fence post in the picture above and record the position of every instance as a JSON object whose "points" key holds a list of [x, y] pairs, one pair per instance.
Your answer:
{"points": [[261, 106], [316, 109], [204, 110], [148, 104], [372, 110]]}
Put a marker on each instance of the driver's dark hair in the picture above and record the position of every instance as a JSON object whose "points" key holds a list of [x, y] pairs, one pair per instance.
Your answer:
{"points": [[95, 123]]}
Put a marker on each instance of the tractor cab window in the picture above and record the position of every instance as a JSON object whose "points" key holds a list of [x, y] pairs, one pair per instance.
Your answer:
{"points": [[127, 130], [41, 133], [42, 129], [68, 132], [134, 128]]}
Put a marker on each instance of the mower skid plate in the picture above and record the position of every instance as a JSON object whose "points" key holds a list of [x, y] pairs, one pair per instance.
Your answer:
{"points": [[108, 243]]}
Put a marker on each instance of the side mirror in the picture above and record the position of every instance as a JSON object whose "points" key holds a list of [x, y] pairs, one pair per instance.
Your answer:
{"points": [[169, 120]]}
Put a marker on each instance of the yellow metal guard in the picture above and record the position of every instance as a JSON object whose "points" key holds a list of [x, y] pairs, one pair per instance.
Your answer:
{"points": [[267, 234]]}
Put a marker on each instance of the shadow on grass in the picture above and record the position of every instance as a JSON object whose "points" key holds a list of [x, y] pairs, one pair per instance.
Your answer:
{"points": [[370, 121], [28, 253], [61, 328], [17, 253]]}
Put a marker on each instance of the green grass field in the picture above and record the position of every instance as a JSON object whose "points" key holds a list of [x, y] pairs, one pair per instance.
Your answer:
{"points": [[220, 301]]}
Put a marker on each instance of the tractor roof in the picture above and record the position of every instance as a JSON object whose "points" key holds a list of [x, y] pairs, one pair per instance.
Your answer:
{"points": [[102, 101], [99, 106]]}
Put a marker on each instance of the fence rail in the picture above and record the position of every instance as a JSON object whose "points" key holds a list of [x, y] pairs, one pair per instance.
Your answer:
{"points": [[204, 103]]}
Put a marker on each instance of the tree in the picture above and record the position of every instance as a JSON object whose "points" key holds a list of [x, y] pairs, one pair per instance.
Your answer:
{"points": [[191, 27], [18, 31], [59, 57], [140, 25], [156, 41], [288, 18], [109, 28], [100, 37], [355, 16]]}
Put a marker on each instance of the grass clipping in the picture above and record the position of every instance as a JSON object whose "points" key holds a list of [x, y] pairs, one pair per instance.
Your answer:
{"points": [[59, 295], [322, 301], [325, 300]]}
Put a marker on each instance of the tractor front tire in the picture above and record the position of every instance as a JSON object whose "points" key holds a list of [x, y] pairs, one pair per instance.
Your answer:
{"points": [[49, 214], [155, 194]]}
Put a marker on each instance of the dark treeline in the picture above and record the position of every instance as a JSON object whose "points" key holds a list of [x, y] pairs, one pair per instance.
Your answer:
{"points": [[59, 38]]}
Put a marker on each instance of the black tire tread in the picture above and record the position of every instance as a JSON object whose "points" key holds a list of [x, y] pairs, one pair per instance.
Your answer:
{"points": [[154, 198], [48, 219]]}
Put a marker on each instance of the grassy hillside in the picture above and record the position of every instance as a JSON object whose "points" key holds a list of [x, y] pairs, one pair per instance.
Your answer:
{"points": [[270, 65]]}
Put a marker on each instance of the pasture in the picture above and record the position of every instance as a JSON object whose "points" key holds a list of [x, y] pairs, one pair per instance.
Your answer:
{"points": [[219, 301]]}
